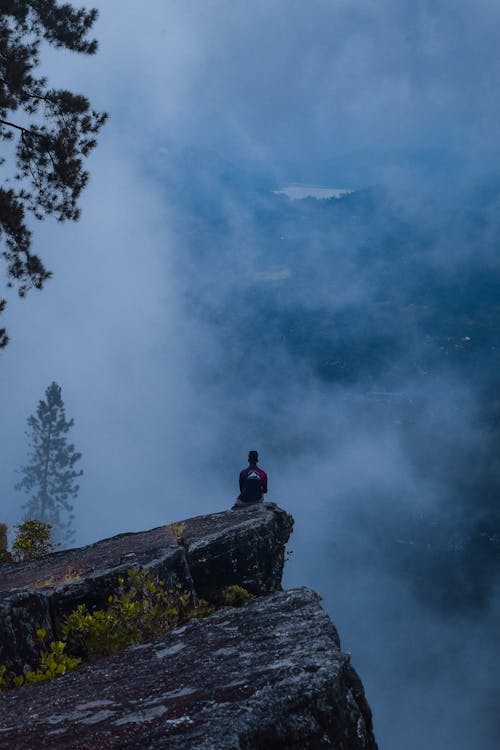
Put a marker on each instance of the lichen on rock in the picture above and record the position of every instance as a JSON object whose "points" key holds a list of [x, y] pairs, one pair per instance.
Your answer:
{"points": [[266, 675]]}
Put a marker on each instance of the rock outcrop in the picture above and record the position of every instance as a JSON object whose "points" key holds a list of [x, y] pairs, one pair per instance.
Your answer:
{"points": [[244, 547], [266, 676]]}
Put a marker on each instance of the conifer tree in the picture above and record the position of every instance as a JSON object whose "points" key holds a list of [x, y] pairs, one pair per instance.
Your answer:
{"points": [[45, 133], [49, 479]]}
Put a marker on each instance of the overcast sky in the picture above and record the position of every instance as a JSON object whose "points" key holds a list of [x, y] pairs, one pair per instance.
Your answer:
{"points": [[281, 80], [262, 83]]}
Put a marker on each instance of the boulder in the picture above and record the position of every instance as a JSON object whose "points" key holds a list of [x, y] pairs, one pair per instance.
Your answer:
{"points": [[245, 547], [267, 676], [21, 614], [202, 555]]}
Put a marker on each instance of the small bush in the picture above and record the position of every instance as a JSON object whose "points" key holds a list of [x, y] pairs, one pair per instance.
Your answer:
{"points": [[49, 581], [32, 540], [178, 528], [202, 609], [4, 679], [71, 574], [5, 555], [3, 537], [140, 610], [53, 662], [236, 596]]}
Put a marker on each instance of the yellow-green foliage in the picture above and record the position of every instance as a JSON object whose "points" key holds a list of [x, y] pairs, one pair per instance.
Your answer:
{"points": [[53, 662], [3, 537], [140, 610], [236, 596], [5, 555], [4, 680], [49, 581], [32, 540], [202, 609], [70, 574], [178, 528]]}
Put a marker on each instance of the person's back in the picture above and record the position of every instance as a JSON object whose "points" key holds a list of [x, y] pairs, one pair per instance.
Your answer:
{"points": [[253, 481]]}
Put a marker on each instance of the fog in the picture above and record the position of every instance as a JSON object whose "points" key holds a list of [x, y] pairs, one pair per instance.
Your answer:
{"points": [[194, 315]]}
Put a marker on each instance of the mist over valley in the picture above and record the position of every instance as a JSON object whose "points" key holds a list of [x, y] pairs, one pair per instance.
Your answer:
{"points": [[290, 243], [355, 340]]}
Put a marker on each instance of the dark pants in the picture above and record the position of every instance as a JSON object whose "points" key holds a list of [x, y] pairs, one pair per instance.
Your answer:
{"points": [[241, 502]]}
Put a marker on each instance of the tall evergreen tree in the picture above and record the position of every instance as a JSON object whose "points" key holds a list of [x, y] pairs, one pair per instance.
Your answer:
{"points": [[45, 133], [50, 476]]}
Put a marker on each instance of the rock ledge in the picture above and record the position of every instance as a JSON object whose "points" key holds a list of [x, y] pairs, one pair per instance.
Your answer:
{"points": [[268, 676], [245, 547]]}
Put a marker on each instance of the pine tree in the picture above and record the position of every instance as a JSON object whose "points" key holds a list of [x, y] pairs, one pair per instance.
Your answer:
{"points": [[46, 133], [50, 476]]}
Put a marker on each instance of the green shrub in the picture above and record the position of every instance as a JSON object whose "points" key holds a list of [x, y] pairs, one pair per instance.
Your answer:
{"points": [[4, 678], [236, 596], [202, 609], [49, 581], [53, 662], [5, 555], [139, 611], [70, 574], [32, 540], [3, 537], [8, 680], [178, 528]]}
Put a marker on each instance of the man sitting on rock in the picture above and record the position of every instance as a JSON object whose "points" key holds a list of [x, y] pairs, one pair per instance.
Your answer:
{"points": [[253, 483]]}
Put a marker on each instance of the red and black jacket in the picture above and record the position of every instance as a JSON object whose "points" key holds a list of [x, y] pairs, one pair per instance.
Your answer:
{"points": [[253, 483]]}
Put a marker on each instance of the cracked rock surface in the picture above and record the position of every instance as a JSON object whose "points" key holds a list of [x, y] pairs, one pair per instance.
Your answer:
{"points": [[267, 676], [244, 547]]}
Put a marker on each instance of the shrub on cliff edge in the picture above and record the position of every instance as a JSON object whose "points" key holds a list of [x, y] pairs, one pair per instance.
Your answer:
{"points": [[5, 555], [33, 540]]}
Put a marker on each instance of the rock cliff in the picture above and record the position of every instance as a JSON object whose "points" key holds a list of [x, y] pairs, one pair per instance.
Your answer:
{"points": [[269, 675]]}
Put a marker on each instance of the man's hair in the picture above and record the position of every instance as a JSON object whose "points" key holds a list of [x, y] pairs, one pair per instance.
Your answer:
{"points": [[253, 457]]}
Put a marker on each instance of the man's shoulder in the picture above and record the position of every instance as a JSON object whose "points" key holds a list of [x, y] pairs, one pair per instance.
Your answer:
{"points": [[248, 469]]}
